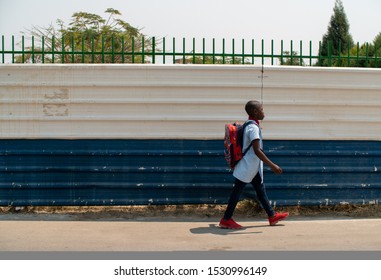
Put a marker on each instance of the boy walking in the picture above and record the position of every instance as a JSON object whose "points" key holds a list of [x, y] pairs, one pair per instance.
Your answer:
{"points": [[250, 169]]}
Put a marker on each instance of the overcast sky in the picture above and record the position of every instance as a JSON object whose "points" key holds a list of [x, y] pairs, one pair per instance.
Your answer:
{"points": [[240, 19]]}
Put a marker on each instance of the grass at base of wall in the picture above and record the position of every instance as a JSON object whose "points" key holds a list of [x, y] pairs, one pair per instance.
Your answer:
{"points": [[245, 209]]}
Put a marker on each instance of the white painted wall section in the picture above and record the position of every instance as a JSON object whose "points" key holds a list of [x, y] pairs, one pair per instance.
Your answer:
{"points": [[186, 101]]}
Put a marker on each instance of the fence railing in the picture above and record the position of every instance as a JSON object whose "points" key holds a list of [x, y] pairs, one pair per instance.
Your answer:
{"points": [[185, 51]]}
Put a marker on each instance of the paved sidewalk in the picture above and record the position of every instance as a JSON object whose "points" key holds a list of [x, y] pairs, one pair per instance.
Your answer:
{"points": [[31, 232]]}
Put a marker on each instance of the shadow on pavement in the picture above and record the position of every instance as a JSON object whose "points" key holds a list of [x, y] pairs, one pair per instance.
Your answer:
{"points": [[214, 229]]}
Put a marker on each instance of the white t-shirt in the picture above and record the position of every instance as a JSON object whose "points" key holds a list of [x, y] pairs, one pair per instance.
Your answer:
{"points": [[248, 167]]}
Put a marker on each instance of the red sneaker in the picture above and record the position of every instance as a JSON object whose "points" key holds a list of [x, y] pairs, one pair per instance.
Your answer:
{"points": [[278, 217], [230, 224]]}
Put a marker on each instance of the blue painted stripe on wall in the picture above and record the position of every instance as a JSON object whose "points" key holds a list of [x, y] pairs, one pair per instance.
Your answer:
{"points": [[140, 172]]}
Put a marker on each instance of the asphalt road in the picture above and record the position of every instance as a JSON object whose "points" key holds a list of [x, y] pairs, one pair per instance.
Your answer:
{"points": [[57, 232]]}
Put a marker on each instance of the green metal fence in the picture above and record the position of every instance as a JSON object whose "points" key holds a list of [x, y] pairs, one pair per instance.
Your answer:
{"points": [[184, 51]]}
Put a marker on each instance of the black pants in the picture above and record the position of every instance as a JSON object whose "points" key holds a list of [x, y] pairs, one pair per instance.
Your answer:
{"points": [[261, 194]]}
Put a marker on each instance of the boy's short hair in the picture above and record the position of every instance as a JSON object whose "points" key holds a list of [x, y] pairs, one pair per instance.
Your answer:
{"points": [[251, 106]]}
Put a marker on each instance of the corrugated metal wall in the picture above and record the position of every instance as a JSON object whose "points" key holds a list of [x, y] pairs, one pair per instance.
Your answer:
{"points": [[135, 172], [140, 134]]}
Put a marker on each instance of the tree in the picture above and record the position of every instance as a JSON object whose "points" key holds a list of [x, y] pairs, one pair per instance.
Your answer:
{"points": [[337, 40], [377, 42], [365, 55], [88, 38], [210, 59], [288, 59], [377, 51]]}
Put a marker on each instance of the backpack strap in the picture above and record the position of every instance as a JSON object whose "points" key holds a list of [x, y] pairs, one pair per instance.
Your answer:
{"points": [[243, 134]]}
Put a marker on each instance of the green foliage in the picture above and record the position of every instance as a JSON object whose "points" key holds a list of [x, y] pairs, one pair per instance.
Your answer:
{"points": [[376, 48], [377, 42], [365, 55], [291, 59], [337, 47], [89, 38], [337, 39], [210, 59]]}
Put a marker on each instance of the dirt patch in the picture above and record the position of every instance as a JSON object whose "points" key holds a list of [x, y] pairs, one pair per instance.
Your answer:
{"points": [[245, 209]]}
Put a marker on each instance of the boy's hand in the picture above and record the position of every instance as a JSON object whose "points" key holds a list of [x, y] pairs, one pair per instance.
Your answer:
{"points": [[276, 169]]}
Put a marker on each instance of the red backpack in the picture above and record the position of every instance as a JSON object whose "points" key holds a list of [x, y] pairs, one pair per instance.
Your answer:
{"points": [[233, 143]]}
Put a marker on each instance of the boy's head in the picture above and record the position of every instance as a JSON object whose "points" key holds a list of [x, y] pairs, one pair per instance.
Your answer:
{"points": [[255, 109]]}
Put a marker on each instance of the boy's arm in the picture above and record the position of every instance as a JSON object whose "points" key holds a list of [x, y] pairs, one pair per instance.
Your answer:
{"points": [[262, 156]]}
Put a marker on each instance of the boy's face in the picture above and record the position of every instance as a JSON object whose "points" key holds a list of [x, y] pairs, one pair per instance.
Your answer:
{"points": [[259, 113]]}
